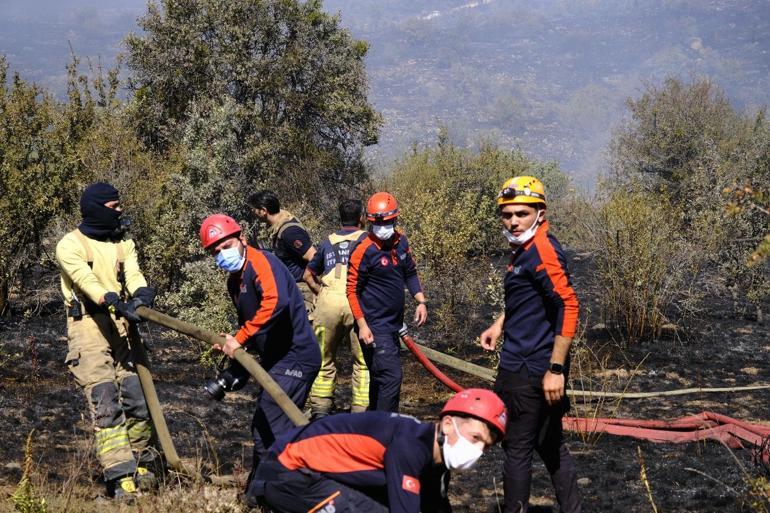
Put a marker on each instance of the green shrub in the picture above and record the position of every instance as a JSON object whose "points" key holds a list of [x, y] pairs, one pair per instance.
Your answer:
{"points": [[645, 265], [448, 210], [202, 298], [26, 498], [687, 142], [38, 165]]}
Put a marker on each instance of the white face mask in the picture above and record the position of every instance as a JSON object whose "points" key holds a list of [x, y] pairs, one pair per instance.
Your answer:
{"points": [[525, 235], [463, 454], [383, 231]]}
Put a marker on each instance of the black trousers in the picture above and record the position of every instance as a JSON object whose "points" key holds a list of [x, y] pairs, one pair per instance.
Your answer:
{"points": [[534, 426], [383, 359], [305, 491]]}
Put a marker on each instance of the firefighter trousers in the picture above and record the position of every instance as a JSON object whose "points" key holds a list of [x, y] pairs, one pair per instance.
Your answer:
{"points": [[269, 419], [333, 325], [303, 491], [101, 358]]}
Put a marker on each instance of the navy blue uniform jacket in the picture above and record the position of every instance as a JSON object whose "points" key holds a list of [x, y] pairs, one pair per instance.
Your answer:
{"points": [[540, 303], [377, 274], [272, 315], [382, 454]]}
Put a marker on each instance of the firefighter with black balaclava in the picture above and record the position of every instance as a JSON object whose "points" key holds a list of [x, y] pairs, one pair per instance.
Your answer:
{"points": [[102, 286]]}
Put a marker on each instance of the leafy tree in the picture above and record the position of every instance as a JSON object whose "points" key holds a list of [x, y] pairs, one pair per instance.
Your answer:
{"points": [[291, 77], [687, 144], [38, 165], [670, 129]]}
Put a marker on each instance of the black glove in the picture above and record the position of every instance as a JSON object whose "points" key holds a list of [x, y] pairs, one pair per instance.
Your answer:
{"points": [[127, 310], [144, 296]]}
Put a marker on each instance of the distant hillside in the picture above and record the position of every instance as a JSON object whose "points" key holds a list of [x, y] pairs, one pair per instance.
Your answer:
{"points": [[550, 76]]}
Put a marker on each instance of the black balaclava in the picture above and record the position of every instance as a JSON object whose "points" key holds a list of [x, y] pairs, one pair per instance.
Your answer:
{"points": [[100, 222]]}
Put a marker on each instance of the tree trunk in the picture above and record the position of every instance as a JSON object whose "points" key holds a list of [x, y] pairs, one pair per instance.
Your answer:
{"points": [[4, 305]]}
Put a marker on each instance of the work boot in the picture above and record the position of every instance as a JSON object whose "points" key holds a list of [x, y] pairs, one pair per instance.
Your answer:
{"points": [[145, 480], [125, 489]]}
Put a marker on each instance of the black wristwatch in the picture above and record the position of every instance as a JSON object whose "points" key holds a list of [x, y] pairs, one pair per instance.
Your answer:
{"points": [[556, 368]]}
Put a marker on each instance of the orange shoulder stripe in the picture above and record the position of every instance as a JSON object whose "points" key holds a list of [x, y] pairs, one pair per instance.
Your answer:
{"points": [[269, 296], [352, 281], [558, 277], [334, 452]]}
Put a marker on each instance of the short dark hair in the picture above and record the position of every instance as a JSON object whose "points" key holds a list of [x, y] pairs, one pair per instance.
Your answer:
{"points": [[497, 436], [266, 199], [350, 212]]}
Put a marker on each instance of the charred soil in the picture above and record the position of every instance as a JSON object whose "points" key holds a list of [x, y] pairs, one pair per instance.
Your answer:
{"points": [[37, 393]]}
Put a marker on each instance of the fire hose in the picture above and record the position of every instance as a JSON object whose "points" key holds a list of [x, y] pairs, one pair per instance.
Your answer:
{"points": [[706, 425], [241, 356], [412, 346]]}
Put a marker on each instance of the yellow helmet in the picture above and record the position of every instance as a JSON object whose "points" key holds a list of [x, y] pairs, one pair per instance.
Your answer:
{"points": [[521, 189]]}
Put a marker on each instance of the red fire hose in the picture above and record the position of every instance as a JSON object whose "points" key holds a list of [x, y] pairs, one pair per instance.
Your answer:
{"points": [[706, 425], [412, 346]]}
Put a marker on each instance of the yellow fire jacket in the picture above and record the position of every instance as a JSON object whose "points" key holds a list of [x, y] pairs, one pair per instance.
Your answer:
{"points": [[72, 254]]}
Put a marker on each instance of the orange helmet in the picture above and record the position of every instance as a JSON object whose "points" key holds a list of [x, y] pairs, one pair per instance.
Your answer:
{"points": [[521, 189], [382, 206], [479, 403], [217, 227]]}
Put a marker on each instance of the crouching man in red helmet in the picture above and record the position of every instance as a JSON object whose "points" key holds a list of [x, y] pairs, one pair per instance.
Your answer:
{"points": [[273, 321], [380, 461]]}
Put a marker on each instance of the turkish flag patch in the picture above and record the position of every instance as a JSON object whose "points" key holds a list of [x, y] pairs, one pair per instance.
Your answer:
{"points": [[297, 243], [411, 484]]}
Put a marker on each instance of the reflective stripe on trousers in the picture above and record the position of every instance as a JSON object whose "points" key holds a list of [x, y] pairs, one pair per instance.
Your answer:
{"points": [[333, 325]]}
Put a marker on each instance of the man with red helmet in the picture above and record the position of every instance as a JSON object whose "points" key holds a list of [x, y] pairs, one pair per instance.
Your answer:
{"points": [[380, 267], [272, 319], [378, 461], [540, 319]]}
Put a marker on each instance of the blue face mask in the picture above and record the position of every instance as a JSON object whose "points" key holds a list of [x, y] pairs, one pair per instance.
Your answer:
{"points": [[230, 260]]}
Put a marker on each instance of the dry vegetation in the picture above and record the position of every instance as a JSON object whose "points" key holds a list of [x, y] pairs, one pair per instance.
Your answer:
{"points": [[679, 222]]}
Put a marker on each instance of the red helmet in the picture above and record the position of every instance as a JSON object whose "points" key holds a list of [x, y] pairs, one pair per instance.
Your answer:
{"points": [[382, 206], [217, 227], [479, 403]]}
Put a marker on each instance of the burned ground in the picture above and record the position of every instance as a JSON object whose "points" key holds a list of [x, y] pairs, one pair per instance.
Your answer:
{"points": [[36, 392]]}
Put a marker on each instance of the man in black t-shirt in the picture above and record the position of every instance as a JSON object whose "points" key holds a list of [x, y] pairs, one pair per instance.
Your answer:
{"points": [[289, 240]]}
